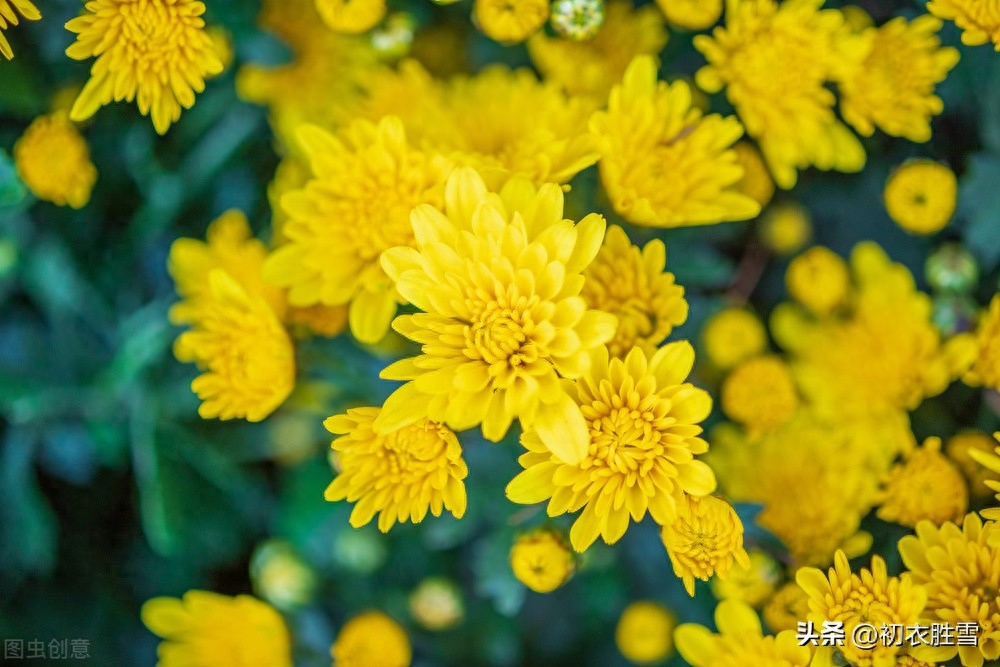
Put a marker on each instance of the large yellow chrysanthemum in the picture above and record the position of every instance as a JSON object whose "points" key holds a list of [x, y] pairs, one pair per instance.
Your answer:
{"points": [[642, 421], [53, 160], [204, 628], [498, 278], [9, 17], [705, 539], [893, 87], [356, 205], [960, 569], [401, 475], [979, 19], [663, 163], [775, 60], [155, 50], [986, 369], [924, 486]]}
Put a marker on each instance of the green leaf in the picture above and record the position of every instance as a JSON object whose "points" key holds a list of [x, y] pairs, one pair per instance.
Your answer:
{"points": [[979, 206], [28, 533]]}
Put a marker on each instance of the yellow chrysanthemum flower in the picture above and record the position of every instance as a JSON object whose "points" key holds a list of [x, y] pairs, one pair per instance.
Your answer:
{"points": [[990, 461], [372, 639], [958, 450], [204, 628], [498, 278], [788, 607], [740, 641], [642, 421], [706, 538], [644, 634], [634, 286], [818, 279], [542, 560], [651, 131], [401, 475], [753, 585], [351, 16], [691, 14], [356, 205], [985, 370], [155, 50], [775, 60], [53, 160], [231, 247], [8, 17], [959, 567], [436, 604], [756, 182], [920, 196], [510, 20], [869, 597], [760, 394], [733, 335], [244, 349], [923, 486], [785, 228], [978, 19], [593, 66], [893, 87]]}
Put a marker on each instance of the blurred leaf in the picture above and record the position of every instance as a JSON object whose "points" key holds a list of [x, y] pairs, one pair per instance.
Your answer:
{"points": [[20, 94], [494, 578], [12, 190], [28, 529], [979, 205]]}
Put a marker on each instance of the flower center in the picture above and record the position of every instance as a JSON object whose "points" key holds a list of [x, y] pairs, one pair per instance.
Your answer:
{"points": [[623, 433], [152, 32], [501, 335]]}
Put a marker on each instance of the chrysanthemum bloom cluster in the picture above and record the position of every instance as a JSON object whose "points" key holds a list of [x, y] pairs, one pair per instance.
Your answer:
{"points": [[53, 160], [705, 539], [205, 628], [372, 639], [664, 164], [925, 485], [978, 19], [401, 475], [542, 560], [9, 10], [155, 51]]}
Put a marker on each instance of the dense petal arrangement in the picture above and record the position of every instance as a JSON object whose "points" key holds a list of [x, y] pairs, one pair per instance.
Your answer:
{"points": [[924, 486], [53, 160], [9, 10], [978, 19], [154, 51]]}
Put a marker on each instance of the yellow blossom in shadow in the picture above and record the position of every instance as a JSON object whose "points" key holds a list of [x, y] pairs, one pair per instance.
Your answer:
{"points": [[985, 370], [788, 607], [510, 20], [760, 394], [753, 584], [923, 486], [204, 628], [978, 19], [756, 182], [691, 14], [921, 195], [400, 475], [642, 431], [156, 52], [8, 17], [705, 539], [542, 560], [644, 634], [664, 164], [958, 450], [351, 16], [53, 160], [372, 639]]}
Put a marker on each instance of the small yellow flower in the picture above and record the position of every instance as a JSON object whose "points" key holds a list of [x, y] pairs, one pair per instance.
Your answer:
{"points": [[53, 161], [642, 422], [156, 50], [351, 16], [634, 286], [436, 604], [923, 486], [754, 584], [978, 19], [8, 17], [788, 607], [990, 461], [818, 279], [786, 228], [644, 633], [733, 335], [209, 629], [372, 639], [691, 14], [756, 182], [664, 164], [985, 370], [510, 20], [760, 394], [542, 560], [920, 196], [401, 475], [957, 448], [706, 538]]}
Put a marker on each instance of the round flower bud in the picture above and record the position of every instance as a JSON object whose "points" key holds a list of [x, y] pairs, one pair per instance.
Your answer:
{"points": [[369, 639], [954, 313], [436, 604], [785, 228], [732, 335], [280, 576], [542, 560], [920, 196], [645, 632], [818, 279], [577, 19], [359, 550], [951, 268]]}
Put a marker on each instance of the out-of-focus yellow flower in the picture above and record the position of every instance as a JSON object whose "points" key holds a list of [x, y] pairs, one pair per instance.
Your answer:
{"points": [[760, 394], [318, 320], [53, 161], [351, 16], [985, 370], [978, 19], [510, 20], [401, 475], [856, 18], [788, 607], [281, 576], [785, 228], [542, 560], [8, 17], [756, 182], [204, 628], [642, 421], [706, 538], [733, 335], [923, 486], [976, 475], [222, 42], [775, 60], [959, 567], [691, 14], [634, 286], [740, 641], [893, 87], [593, 66], [990, 461], [157, 51], [644, 634], [244, 349], [664, 164], [372, 639], [753, 584], [356, 206], [818, 279], [498, 278], [442, 48], [920, 196], [436, 604]]}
